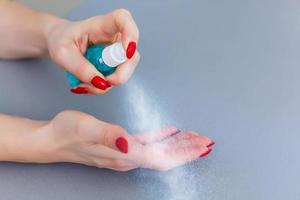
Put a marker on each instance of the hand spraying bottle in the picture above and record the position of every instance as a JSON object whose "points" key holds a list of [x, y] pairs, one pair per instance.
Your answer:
{"points": [[104, 58]]}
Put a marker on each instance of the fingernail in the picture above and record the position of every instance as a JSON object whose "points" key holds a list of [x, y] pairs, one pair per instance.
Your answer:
{"points": [[122, 144], [206, 153], [79, 90], [108, 84], [100, 83], [130, 49], [211, 144]]}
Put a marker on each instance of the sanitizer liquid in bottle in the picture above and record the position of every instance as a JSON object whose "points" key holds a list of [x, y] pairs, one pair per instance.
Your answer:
{"points": [[104, 58]]}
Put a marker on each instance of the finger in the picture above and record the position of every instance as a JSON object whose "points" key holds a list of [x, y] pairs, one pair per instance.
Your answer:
{"points": [[113, 136], [124, 71], [169, 154], [203, 140], [133, 158], [118, 38], [98, 132], [185, 154], [158, 135], [71, 59], [106, 28], [88, 89], [180, 136], [96, 91], [80, 89], [185, 149]]}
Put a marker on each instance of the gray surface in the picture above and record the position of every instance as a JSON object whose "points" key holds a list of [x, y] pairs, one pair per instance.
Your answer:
{"points": [[229, 69], [57, 7]]}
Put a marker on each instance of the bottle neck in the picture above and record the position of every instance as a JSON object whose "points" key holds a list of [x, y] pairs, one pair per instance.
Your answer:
{"points": [[114, 55]]}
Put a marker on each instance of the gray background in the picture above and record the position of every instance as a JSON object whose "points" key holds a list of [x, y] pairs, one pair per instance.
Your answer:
{"points": [[57, 7], [229, 69]]}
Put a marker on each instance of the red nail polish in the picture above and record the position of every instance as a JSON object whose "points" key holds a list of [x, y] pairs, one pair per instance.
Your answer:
{"points": [[122, 144], [79, 90], [108, 84], [211, 144], [130, 49], [100, 83], [206, 153]]}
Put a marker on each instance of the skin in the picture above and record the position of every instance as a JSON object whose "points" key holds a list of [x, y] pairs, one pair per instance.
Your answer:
{"points": [[77, 137], [73, 136]]}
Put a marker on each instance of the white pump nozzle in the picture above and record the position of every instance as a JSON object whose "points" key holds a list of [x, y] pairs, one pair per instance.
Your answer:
{"points": [[114, 54]]}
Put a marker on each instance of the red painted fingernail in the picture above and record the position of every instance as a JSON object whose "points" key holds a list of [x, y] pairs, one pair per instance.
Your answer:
{"points": [[108, 84], [79, 90], [100, 83], [122, 144], [130, 49], [206, 153], [211, 144]]}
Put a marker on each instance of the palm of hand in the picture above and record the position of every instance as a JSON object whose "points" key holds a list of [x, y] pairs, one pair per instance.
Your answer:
{"points": [[81, 138]]}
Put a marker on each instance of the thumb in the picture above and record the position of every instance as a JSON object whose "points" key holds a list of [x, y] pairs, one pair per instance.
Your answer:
{"points": [[75, 63], [113, 136]]}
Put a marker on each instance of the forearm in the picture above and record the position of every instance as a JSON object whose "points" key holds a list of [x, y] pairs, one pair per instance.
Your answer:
{"points": [[23, 31], [21, 139]]}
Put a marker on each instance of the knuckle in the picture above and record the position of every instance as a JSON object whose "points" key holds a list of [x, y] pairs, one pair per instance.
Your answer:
{"points": [[98, 92], [193, 133], [84, 118], [81, 70], [105, 137], [60, 53], [119, 129], [137, 56], [122, 12], [83, 122], [206, 138], [107, 133], [121, 79], [118, 164], [71, 114], [136, 34], [73, 123], [98, 163]]}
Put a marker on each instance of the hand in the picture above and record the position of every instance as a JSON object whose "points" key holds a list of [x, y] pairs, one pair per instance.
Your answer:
{"points": [[80, 138], [67, 42]]}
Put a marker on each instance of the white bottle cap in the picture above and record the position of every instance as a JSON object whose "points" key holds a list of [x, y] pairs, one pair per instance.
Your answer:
{"points": [[114, 54]]}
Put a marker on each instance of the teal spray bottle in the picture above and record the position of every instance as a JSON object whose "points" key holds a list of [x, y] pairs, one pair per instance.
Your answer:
{"points": [[104, 58]]}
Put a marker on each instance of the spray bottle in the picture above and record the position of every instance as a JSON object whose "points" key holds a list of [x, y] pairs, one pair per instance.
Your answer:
{"points": [[104, 58]]}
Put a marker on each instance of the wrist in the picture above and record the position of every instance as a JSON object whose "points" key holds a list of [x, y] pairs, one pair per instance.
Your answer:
{"points": [[26, 142]]}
